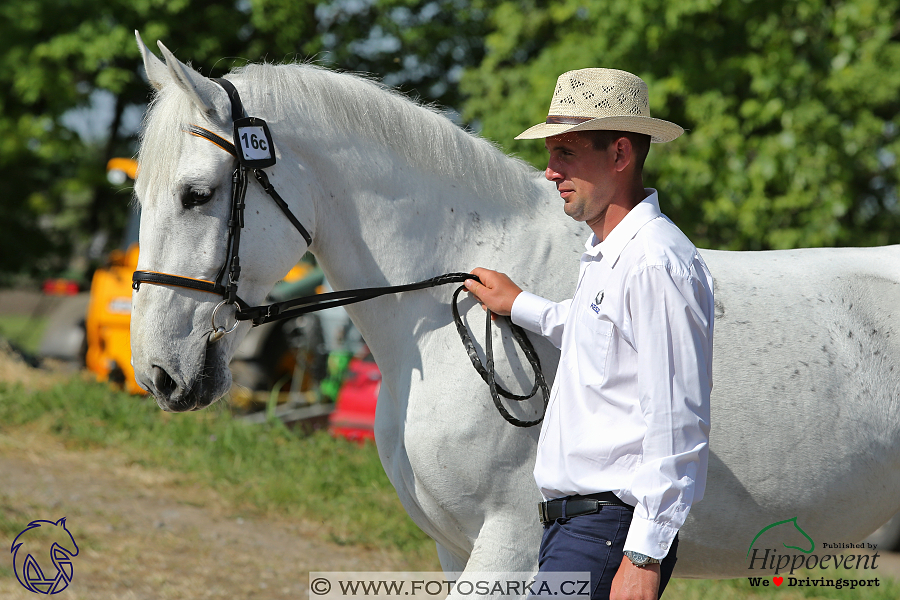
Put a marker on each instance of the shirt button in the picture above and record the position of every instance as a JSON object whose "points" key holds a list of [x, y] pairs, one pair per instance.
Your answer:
{"points": [[663, 546]]}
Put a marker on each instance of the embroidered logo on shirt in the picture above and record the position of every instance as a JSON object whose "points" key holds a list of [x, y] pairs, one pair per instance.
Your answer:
{"points": [[595, 305]]}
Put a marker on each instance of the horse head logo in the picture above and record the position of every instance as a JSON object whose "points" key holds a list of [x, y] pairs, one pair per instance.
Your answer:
{"points": [[793, 522], [38, 540]]}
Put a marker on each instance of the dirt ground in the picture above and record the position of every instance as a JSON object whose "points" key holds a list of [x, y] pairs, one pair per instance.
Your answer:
{"points": [[146, 534], [24, 302], [143, 534]]}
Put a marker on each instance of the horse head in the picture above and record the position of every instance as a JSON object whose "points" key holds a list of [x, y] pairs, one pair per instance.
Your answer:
{"points": [[184, 188], [44, 534]]}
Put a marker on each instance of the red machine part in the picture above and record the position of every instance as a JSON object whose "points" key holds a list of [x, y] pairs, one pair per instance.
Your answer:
{"points": [[354, 413]]}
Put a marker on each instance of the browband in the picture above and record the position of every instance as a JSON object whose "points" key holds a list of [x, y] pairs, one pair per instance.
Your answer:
{"points": [[212, 137]]}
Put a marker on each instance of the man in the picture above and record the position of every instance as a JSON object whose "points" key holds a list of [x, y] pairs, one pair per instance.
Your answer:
{"points": [[624, 445]]}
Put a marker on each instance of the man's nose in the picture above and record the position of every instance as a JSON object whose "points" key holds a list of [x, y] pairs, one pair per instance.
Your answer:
{"points": [[552, 174]]}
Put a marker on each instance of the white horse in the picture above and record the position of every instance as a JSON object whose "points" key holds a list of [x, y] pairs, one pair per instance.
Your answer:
{"points": [[805, 404]]}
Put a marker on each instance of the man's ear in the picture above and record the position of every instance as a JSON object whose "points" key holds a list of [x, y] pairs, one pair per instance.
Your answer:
{"points": [[624, 153]]}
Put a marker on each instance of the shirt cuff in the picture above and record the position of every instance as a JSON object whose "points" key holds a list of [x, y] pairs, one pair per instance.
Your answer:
{"points": [[650, 538], [528, 311]]}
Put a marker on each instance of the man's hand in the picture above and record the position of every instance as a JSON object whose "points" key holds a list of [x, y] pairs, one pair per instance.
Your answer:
{"points": [[496, 291], [635, 583]]}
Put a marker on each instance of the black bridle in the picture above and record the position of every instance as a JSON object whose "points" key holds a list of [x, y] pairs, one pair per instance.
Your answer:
{"points": [[247, 160], [254, 150]]}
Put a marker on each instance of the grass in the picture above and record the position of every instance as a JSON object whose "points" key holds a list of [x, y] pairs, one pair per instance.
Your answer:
{"points": [[272, 470], [22, 331], [11, 519], [263, 468]]}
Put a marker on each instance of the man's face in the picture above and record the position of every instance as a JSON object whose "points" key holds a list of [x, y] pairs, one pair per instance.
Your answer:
{"points": [[582, 175]]}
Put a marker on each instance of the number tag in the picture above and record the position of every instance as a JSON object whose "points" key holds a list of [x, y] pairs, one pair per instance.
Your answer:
{"points": [[254, 143]]}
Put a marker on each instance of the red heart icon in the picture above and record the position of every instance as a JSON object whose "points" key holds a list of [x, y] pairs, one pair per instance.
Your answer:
{"points": [[778, 580]]}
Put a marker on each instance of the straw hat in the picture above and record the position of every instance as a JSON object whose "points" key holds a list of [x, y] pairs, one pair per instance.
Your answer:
{"points": [[608, 99]]}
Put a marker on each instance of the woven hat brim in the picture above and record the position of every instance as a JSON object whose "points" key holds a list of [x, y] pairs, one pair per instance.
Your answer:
{"points": [[660, 131]]}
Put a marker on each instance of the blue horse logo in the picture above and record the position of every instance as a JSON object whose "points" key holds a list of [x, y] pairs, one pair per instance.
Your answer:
{"points": [[35, 541]]}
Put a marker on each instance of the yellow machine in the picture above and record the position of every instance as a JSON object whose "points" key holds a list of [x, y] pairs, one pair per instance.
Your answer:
{"points": [[108, 320]]}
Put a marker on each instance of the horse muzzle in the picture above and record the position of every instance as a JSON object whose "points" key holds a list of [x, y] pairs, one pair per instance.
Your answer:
{"points": [[175, 393], [170, 395]]}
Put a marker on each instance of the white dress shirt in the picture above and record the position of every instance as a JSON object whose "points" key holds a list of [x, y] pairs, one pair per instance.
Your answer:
{"points": [[629, 409]]}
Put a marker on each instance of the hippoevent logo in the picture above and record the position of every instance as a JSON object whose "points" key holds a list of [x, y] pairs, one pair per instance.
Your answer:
{"points": [[792, 537], [42, 556]]}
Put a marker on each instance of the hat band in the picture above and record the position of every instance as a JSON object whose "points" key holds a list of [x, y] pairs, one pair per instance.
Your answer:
{"points": [[558, 120]]}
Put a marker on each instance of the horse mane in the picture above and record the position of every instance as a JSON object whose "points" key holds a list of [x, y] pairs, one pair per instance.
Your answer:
{"points": [[161, 143], [319, 102]]}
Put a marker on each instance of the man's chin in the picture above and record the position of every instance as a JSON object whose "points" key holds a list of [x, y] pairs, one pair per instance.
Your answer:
{"points": [[573, 211]]}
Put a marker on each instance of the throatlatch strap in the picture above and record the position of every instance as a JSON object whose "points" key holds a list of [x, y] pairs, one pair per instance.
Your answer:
{"points": [[268, 188]]}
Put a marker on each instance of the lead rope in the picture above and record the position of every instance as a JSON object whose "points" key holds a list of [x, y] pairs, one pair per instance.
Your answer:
{"points": [[307, 304], [487, 373]]}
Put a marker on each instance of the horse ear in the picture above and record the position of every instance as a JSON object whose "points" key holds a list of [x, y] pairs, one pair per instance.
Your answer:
{"points": [[206, 95], [157, 73]]}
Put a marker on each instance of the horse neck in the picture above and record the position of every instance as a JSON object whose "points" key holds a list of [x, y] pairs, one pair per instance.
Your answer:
{"points": [[401, 195], [404, 225], [401, 209]]}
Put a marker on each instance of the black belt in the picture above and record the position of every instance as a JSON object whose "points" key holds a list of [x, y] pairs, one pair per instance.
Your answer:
{"points": [[578, 505]]}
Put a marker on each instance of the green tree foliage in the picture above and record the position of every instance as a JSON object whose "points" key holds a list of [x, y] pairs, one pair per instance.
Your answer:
{"points": [[791, 107], [417, 46], [56, 56]]}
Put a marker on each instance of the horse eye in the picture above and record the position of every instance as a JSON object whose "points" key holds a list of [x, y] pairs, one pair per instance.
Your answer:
{"points": [[193, 197]]}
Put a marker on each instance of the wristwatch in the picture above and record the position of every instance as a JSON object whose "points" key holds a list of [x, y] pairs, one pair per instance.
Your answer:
{"points": [[640, 560]]}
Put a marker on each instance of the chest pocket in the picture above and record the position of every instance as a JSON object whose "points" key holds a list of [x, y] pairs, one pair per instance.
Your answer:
{"points": [[593, 339]]}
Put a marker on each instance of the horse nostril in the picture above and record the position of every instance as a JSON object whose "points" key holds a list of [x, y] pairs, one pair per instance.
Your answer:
{"points": [[163, 383]]}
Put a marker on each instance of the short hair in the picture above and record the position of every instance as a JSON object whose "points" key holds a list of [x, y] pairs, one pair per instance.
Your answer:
{"points": [[640, 143]]}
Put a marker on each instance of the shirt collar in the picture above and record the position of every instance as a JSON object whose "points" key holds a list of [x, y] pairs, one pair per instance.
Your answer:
{"points": [[610, 248]]}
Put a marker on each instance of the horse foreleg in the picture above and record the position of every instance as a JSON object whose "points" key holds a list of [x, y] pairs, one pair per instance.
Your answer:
{"points": [[450, 563], [504, 557]]}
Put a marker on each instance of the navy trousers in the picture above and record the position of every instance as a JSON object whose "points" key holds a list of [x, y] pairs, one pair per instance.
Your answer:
{"points": [[594, 543]]}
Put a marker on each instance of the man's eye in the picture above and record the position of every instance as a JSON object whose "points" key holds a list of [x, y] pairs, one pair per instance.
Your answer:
{"points": [[192, 198]]}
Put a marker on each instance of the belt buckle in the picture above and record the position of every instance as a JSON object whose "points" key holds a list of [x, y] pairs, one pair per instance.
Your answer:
{"points": [[542, 512]]}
